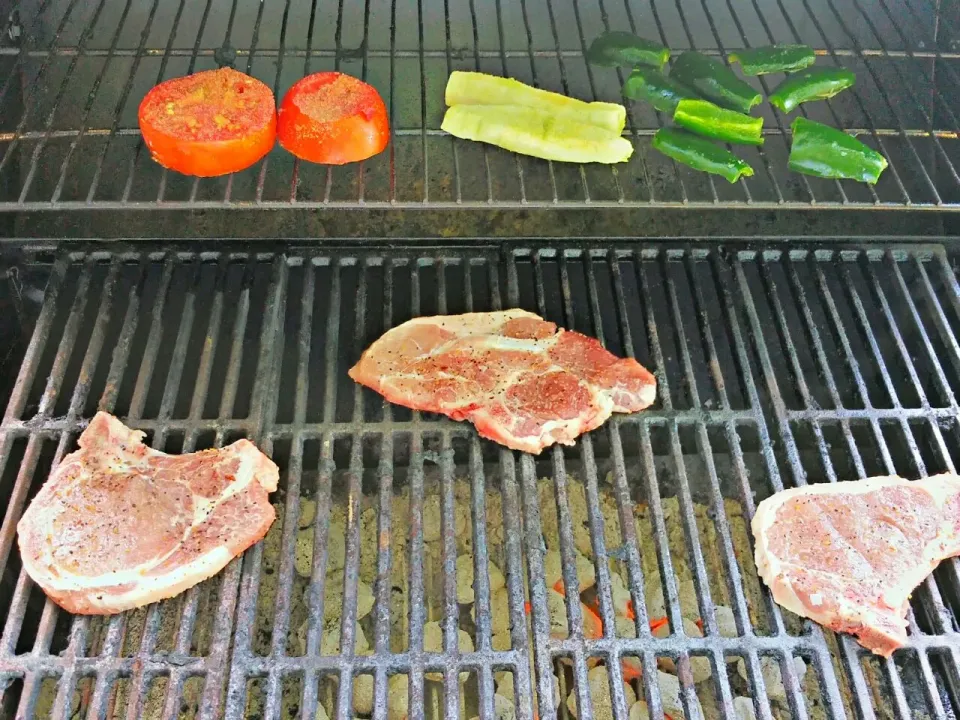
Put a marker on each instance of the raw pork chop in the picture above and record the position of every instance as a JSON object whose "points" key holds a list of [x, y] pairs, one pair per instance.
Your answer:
{"points": [[118, 525], [849, 554], [518, 378]]}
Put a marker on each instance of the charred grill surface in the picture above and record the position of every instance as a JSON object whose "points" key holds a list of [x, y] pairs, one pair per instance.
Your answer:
{"points": [[404, 537]]}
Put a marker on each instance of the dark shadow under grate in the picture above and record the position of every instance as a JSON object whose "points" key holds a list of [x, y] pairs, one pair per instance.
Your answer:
{"points": [[776, 367]]}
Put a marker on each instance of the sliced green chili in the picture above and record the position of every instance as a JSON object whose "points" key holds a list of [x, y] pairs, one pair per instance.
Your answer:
{"points": [[773, 58], [826, 152], [705, 118], [652, 86], [811, 84], [700, 154], [622, 48], [714, 81]]}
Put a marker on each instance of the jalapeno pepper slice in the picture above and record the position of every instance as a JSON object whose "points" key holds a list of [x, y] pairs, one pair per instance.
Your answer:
{"points": [[774, 58], [622, 48], [714, 81], [826, 152], [811, 84], [705, 118], [652, 86], [700, 154]]}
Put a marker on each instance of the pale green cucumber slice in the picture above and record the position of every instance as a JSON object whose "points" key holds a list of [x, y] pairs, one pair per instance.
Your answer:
{"points": [[542, 134], [473, 88]]}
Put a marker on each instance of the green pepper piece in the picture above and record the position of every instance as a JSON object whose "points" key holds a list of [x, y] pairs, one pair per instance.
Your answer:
{"points": [[773, 58], [714, 81], [700, 154], [655, 88], [826, 152], [622, 48], [705, 118], [812, 84]]}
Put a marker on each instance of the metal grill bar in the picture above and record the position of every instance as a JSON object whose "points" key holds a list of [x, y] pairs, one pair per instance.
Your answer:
{"points": [[430, 54], [407, 132], [596, 530], [848, 649], [79, 148]]}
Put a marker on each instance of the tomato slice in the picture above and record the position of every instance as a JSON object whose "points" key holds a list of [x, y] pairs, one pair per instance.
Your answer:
{"points": [[332, 118], [210, 123]]}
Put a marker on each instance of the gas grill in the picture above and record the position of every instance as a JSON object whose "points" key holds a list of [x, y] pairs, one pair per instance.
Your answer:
{"points": [[800, 330]]}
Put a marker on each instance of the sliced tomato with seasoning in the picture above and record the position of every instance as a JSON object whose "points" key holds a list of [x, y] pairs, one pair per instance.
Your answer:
{"points": [[333, 119], [210, 123]]}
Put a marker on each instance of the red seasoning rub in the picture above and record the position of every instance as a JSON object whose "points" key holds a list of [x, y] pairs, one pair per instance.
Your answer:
{"points": [[210, 123], [333, 119], [849, 554]]}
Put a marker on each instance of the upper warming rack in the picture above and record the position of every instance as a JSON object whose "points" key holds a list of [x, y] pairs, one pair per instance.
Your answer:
{"points": [[72, 74]]}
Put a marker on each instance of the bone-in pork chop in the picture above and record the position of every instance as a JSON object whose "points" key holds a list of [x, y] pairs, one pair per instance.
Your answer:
{"points": [[118, 525], [849, 554], [522, 381]]}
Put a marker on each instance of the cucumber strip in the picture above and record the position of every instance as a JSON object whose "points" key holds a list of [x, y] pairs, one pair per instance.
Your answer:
{"points": [[542, 134], [472, 88]]}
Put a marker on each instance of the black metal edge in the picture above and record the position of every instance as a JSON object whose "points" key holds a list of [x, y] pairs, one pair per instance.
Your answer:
{"points": [[12, 247], [579, 222]]}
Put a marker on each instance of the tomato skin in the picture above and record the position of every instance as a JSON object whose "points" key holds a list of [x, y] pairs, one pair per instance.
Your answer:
{"points": [[333, 119], [210, 123]]}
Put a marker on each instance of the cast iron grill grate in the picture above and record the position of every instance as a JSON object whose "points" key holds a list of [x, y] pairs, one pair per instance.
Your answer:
{"points": [[73, 74], [776, 367]]}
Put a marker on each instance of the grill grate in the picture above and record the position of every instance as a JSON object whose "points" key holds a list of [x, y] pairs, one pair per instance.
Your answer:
{"points": [[74, 73], [787, 365]]}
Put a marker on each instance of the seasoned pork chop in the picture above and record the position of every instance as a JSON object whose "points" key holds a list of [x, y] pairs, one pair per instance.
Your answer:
{"points": [[849, 554], [118, 525], [522, 381]]}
